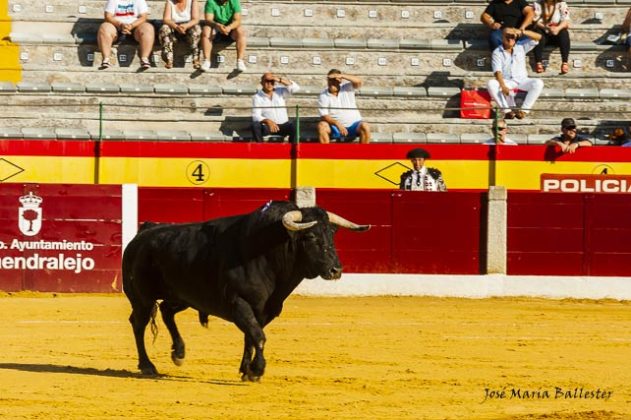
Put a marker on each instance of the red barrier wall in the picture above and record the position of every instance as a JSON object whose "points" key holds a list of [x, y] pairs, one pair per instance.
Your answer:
{"points": [[430, 233], [54, 237], [411, 233], [569, 234], [178, 205]]}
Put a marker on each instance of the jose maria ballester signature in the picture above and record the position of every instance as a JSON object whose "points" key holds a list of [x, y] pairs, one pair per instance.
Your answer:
{"points": [[543, 393]]}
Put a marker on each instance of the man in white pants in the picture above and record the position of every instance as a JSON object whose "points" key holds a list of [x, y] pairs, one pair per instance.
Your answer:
{"points": [[509, 67]]}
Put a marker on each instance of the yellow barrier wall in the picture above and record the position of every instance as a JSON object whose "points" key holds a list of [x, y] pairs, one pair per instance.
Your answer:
{"points": [[10, 67]]}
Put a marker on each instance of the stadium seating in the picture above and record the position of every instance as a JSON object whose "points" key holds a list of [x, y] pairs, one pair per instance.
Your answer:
{"points": [[414, 57]]}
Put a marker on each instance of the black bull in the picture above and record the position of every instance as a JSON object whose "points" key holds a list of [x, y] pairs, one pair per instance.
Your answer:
{"points": [[239, 268]]}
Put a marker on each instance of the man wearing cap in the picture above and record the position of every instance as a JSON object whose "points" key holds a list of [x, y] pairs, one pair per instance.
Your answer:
{"points": [[421, 178], [569, 140]]}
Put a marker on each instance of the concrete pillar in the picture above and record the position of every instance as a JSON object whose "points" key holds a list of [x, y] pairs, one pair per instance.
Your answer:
{"points": [[129, 210], [496, 231], [305, 196]]}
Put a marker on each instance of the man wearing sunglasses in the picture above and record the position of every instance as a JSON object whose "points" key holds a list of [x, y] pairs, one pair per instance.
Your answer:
{"points": [[500, 131], [569, 140], [269, 111], [508, 62]]}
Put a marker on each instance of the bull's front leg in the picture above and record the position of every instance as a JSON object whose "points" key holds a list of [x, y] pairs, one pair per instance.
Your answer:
{"points": [[244, 318]]}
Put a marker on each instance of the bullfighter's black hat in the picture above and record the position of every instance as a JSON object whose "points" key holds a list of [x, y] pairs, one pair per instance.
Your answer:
{"points": [[418, 153]]}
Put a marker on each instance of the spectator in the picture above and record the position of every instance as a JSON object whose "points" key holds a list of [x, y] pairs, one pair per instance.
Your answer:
{"points": [[339, 117], [569, 140], [552, 21], [626, 28], [180, 21], [269, 114], [223, 23], [421, 178], [500, 14], [509, 67], [619, 138], [124, 18], [500, 128]]}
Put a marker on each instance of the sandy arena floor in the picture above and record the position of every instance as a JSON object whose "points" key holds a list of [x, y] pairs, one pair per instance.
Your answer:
{"points": [[73, 357]]}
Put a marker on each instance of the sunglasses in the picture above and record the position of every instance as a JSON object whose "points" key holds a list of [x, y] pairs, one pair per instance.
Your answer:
{"points": [[510, 37], [571, 127], [272, 81], [502, 128]]}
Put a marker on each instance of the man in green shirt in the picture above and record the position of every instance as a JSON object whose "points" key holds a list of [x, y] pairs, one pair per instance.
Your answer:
{"points": [[223, 23]]}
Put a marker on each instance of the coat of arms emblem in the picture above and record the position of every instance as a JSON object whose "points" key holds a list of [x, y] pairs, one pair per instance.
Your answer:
{"points": [[30, 214]]}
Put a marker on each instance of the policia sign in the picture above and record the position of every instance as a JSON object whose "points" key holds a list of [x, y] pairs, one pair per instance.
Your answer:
{"points": [[607, 184]]}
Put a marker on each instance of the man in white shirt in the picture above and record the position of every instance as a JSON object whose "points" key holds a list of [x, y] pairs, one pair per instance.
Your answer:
{"points": [[269, 112], [124, 18], [339, 117], [500, 129], [509, 68]]}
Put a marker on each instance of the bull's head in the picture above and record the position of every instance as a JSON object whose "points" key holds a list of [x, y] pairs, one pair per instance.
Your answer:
{"points": [[317, 239]]}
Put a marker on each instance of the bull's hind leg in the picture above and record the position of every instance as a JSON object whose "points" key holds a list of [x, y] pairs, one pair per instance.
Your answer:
{"points": [[168, 310], [244, 318], [248, 349], [139, 318]]}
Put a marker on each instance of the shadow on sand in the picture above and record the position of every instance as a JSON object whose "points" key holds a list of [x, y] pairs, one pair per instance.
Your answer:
{"points": [[111, 373]]}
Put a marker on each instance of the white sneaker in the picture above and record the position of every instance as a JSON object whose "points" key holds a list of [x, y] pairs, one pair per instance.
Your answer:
{"points": [[205, 65], [240, 66]]}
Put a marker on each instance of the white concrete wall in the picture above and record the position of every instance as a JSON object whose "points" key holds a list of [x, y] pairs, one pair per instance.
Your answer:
{"points": [[467, 286]]}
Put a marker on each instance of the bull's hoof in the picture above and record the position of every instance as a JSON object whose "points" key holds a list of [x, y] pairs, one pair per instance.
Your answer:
{"points": [[148, 370], [177, 353], [250, 377], [179, 361]]}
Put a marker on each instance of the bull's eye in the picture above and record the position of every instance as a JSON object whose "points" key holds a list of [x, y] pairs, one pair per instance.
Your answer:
{"points": [[311, 237]]}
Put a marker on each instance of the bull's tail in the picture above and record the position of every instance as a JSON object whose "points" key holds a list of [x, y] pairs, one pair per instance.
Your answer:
{"points": [[154, 326], [203, 319]]}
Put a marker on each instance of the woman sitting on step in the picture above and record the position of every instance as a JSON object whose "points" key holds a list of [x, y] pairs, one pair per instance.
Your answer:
{"points": [[126, 18], [552, 21], [180, 22]]}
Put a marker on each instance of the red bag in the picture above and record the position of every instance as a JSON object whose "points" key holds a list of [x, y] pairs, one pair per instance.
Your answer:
{"points": [[475, 104]]}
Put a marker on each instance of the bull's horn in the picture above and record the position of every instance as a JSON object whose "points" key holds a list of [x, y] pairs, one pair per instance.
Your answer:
{"points": [[291, 218], [340, 221]]}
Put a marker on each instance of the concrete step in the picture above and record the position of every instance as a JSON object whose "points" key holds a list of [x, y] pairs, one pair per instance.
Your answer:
{"points": [[188, 95], [279, 55], [379, 109], [478, 134], [339, 13], [86, 28], [312, 78]]}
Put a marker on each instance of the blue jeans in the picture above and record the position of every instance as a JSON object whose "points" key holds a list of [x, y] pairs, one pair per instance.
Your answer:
{"points": [[495, 39]]}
